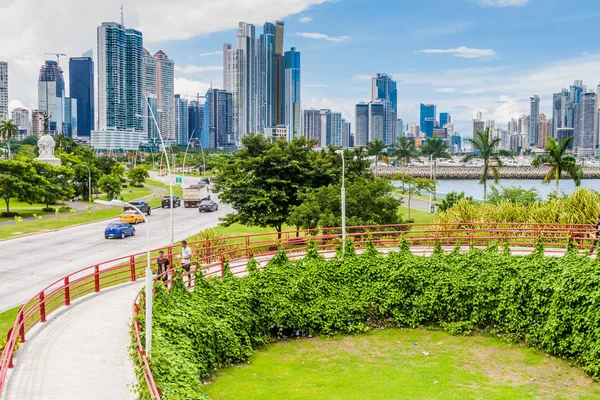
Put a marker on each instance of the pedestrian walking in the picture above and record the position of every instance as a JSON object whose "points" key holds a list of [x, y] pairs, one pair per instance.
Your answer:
{"points": [[186, 260], [163, 266], [597, 232]]}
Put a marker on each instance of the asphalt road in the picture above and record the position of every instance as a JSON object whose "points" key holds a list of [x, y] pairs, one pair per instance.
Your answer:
{"points": [[31, 263]]}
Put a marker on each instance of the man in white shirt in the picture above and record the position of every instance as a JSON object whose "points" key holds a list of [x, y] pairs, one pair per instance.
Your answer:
{"points": [[186, 260]]}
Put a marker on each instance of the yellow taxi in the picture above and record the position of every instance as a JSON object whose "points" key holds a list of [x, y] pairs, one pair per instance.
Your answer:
{"points": [[132, 217]]}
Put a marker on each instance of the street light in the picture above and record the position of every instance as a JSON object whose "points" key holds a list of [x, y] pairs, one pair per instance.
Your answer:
{"points": [[120, 203], [89, 182], [341, 152], [167, 160]]}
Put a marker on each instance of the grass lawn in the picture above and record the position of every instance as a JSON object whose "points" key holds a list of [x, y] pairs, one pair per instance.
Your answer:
{"points": [[7, 319], [401, 364], [419, 217]]}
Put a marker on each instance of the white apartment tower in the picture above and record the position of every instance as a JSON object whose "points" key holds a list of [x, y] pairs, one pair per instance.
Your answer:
{"points": [[3, 91], [165, 92]]}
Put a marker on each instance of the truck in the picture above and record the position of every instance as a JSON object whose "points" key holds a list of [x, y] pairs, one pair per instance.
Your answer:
{"points": [[193, 195]]}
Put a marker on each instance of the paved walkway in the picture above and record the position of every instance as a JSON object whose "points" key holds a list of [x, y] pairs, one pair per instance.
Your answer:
{"points": [[81, 353]]}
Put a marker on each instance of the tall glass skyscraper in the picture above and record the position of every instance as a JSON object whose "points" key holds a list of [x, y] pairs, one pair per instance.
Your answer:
{"points": [[337, 124], [562, 111], [377, 120], [51, 95], [534, 120], [165, 91], [291, 62], [217, 128], [311, 125], [266, 73], [120, 78], [361, 122], [81, 87], [383, 87], [584, 123], [3, 91], [196, 119], [70, 124], [444, 119], [181, 120], [428, 113]]}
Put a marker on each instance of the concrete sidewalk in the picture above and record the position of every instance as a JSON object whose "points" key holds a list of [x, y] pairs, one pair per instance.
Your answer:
{"points": [[80, 353]]}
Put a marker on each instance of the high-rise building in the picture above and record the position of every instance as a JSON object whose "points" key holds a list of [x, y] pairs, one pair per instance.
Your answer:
{"points": [[445, 118], [120, 78], [20, 116], [584, 124], [575, 91], [266, 76], [563, 133], [534, 120], [337, 126], [377, 119], [311, 125], [291, 92], [279, 74], [524, 122], [490, 123], [414, 131], [400, 128], [478, 125], [217, 127], [165, 94], [325, 137], [246, 80], [563, 112], [181, 120], [195, 119], [383, 87], [428, 113], [361, 121], [81, 88], [3, 91], [37, 122], [346, 133], [51, 95], [544, 130], [512, 126], [70, 124]]}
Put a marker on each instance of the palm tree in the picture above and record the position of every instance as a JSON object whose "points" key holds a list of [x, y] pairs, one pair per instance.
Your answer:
{"points": [[404, 151], [484, 147], [559, 161], [375, 148], [435, 148], [8, 130]]}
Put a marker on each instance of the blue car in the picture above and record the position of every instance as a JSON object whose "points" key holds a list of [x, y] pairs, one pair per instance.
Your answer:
{"points": [[119, 230]]}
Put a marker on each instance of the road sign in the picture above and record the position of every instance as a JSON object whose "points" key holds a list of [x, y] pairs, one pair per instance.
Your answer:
{"points": [[178, 179]]}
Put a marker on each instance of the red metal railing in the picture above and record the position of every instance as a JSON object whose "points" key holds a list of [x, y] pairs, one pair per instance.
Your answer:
{"points": [[212, 254]]}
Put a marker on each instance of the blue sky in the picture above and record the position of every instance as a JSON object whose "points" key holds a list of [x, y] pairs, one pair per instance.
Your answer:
{"points": [[462, 55]]}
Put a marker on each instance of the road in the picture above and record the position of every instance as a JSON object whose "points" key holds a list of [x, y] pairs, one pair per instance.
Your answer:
{"points": [[33, 262]]}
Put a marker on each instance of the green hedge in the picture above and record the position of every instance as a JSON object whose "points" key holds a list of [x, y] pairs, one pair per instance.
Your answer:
{"points": [[551, 303]]}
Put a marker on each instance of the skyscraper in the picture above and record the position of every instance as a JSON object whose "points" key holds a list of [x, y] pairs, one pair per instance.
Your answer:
{"points": [[544, 130], [195, 118], [534, 119], [291, 92], [512, 126], [428, 113], [20, 116], [383, 87], [400, 128], [3, 91], [37, 122], [120, 78], [361, 121], [217, 128], [563, 112], [325, 137], [444, 119], [346, 133], [311, 125], [51, 95], [377, 119], [81, 88], [576, 89], [478, 125], [181, 120], [279, 76], [337, 126], [246, 81], [266, 74], [165, 94], [70, 124], [584, 124]]}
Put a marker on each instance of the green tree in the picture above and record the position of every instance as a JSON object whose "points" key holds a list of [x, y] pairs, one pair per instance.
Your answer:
{"points": [[451, 199], [118, 170], [81, 174], [111, 185], [66, 144], [484, 147], [138, 175], [8, 130], [58, 185], [375, 148], [368, 202], [515, 194], [435, 148], [414, 186], [262, 181], [30, 140], [556, 155], [19, 180], [404, 151]]}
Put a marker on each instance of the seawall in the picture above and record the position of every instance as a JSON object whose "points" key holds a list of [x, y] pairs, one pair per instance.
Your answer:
{"points": [[457, 172]]}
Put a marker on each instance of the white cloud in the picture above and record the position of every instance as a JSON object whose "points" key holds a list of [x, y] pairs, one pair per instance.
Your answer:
{"points": [[502, 3], [361, 77], [316, 85], [305, 19], [346, 106], [446, 90], [212, 53], [463, 52], [71, 28], [194, 69], [322, 36], [188, 87]]}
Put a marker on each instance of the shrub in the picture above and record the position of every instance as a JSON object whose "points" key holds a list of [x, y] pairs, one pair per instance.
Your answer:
{"points": [[546, 302]]}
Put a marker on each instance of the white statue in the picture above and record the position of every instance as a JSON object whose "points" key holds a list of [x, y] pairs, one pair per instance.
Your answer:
{"points": [[46, 149]]}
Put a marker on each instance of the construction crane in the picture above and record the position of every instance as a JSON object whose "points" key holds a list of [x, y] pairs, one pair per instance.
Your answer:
{"points": [[57, 56]]}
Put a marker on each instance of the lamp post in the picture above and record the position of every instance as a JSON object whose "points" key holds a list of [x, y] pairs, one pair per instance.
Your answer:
{"points": [[89, 182], [341, 152], [167, 160], [120, 203]]}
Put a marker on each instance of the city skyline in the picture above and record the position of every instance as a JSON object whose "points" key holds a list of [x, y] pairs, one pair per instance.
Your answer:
{"points": [[457, 62]]}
